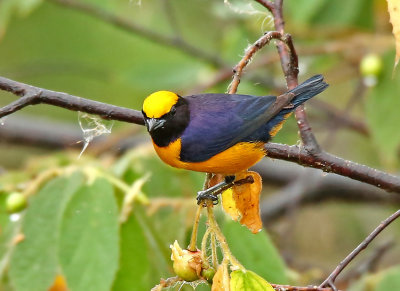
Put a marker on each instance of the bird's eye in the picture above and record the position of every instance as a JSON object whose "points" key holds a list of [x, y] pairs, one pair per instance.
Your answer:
{"points": [[173, 110]]}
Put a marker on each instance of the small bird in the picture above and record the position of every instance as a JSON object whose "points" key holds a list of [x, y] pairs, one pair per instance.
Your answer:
{"points": [[217, 133]]}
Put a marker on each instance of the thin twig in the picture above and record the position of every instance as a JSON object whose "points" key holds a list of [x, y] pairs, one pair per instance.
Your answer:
{"points": [[370, 264], [332, 277], [259, 44]]}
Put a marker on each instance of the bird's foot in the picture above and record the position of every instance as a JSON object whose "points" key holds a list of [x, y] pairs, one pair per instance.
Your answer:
{"points": [[212, 192], [203, 196]]}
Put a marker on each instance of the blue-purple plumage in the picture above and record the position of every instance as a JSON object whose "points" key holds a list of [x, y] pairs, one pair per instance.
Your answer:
{"points": [[219, 121]]}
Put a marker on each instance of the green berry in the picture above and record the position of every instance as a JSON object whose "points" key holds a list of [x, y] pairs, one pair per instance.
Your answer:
{"points": [[371, 65], [208, 274], [15, 202]]}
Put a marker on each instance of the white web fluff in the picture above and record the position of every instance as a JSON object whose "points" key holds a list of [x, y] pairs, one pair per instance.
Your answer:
{"points": [[92, 126]]}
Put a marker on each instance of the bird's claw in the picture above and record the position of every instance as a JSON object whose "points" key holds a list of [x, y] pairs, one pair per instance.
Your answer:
{"points": [[206, 195]]}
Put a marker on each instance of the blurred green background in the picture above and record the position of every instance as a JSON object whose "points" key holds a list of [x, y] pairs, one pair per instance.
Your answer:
{"points": [[120, 51]]}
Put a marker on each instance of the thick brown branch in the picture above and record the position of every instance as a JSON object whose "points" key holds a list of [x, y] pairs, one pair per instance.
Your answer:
{"points": [[332, 277], [151, 35], [31, 95], [332, 164]]}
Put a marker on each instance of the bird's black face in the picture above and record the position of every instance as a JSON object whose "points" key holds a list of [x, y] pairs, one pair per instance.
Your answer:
{"points": [[170, 126]]}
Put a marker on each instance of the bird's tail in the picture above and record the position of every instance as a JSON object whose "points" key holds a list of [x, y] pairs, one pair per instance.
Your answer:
{"points": [[308, 89], [302, 92]]}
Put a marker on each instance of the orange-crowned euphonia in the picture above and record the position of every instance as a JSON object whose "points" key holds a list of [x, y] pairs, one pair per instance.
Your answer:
{"points": [[217, 133]]}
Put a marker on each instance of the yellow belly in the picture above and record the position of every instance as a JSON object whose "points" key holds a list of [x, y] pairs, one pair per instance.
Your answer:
{"points": [[238, 158]]}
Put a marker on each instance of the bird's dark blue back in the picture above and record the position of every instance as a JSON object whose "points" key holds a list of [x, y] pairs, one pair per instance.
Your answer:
{"points": [[219, 121]]}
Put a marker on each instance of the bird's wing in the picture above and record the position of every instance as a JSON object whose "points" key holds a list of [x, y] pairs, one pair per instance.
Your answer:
{"points": [[219, 121]]}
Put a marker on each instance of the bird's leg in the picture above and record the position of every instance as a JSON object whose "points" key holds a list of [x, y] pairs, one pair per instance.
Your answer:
{"points": [[212, 192]]}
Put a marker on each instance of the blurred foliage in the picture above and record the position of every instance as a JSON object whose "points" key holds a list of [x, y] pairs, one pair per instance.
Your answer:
{"points": [[72, 226]]}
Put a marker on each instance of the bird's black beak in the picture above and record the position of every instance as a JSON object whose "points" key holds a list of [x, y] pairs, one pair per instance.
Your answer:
{"points": [[154, 123]]}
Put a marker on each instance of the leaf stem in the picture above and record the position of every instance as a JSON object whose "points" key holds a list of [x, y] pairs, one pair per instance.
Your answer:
{"points": [[204, 244], [214, 254], [193, 240], [212, 224]]}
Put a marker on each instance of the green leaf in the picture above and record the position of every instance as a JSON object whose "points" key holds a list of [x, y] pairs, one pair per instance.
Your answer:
{"points": [[34, 262], [256, 252], [134, 261], [382, 113], [160, 257], [89, 238], [390, 280], [248, 281], [7, 235]]}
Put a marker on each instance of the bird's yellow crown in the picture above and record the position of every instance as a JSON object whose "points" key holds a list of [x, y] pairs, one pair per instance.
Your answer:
{"points": [[159, 103]]}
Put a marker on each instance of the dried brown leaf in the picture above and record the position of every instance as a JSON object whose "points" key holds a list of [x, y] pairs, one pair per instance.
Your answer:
{"points": [[242, 201]]}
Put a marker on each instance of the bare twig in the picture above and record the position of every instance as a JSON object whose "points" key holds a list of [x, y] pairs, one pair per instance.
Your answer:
{"points": [[332, 277], [369, 264], [260, 43]]}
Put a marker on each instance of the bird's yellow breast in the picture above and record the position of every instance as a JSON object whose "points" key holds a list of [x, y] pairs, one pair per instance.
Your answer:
{"points": [[237, 158]]}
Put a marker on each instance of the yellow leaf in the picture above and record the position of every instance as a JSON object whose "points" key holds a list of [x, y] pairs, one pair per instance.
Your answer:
{"points": [[243, 201], [221, 280], [248, 281], [229, 204], [394, 11]]}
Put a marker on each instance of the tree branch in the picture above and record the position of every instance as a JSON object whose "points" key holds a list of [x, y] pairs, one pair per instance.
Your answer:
{"points": [[332, 277], [332, 164], [290, 67], [259, 44], [324, 187], [267, 4], [31, 95]]}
